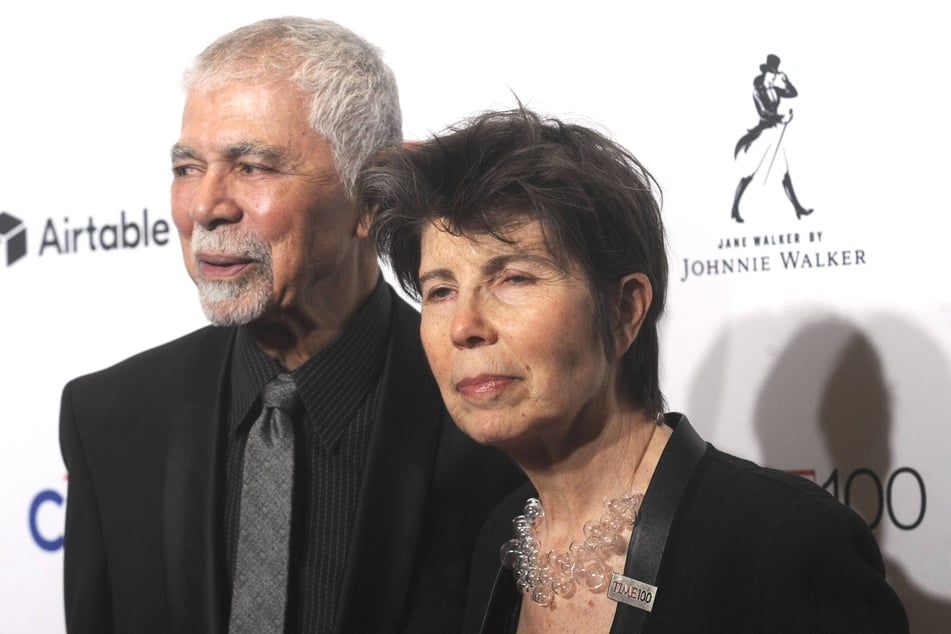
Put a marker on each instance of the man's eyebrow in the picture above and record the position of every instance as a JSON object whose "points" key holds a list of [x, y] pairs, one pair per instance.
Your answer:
{"points": [[234, 151], [257, 150], [181, 152]]}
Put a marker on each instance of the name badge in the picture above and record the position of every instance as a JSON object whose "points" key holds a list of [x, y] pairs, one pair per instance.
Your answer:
{"points": [[632, 592]]}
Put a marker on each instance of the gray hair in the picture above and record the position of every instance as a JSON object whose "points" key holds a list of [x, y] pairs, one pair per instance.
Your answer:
{"points": [[355, 104]]}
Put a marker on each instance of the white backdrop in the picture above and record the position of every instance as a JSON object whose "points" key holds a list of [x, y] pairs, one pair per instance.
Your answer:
{"points": [[841, 372]]}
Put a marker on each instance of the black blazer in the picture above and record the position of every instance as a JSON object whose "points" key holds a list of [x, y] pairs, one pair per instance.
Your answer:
{"points": [[748, 550], [143, 445]]}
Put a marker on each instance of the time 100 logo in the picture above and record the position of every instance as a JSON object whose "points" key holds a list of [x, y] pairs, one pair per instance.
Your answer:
{"points": [[901, 496]]}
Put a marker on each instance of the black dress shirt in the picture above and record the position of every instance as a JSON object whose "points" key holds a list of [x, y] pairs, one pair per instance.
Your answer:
{"points": [[340, 389]]}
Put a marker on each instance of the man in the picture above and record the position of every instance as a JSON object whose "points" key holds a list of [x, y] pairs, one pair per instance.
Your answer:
{"points": [[770, 87], [387, 496]]}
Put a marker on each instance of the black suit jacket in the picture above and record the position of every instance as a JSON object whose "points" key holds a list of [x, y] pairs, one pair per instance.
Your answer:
{"points": [[748, 550], [143, 446]]}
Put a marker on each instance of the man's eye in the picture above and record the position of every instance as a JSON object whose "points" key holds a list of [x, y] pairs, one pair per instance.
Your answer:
{"points": [[182, 170], [249, 168]]}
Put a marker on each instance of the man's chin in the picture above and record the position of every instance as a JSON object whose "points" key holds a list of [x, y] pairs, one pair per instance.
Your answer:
{"points": [[233, 304], [232, 312]]}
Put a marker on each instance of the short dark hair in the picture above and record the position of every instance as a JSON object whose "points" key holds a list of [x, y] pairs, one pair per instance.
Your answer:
{"points": [[596, 204]]}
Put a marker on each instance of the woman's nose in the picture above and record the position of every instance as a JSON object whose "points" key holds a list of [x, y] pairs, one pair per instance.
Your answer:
{"points": [[471, 325]]}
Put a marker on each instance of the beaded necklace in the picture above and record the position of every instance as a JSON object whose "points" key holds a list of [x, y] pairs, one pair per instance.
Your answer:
{"points": [[542, 576]]}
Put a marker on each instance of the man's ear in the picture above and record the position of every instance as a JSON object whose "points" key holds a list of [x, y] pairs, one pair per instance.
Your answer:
{"points": [[632, 301], [363, 224]]}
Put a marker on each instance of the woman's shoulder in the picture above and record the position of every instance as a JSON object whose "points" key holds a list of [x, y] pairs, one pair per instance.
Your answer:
{"points": [[774, 520], [759, 501], [725, 474], [774, 551], [756, 480]]}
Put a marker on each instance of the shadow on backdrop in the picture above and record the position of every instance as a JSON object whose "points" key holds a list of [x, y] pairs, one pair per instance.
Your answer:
{"points": [[826, 399]]}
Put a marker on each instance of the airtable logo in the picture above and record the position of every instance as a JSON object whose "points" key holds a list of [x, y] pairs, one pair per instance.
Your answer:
{"points": [[12, 238], [769, 232], [65, 237]]}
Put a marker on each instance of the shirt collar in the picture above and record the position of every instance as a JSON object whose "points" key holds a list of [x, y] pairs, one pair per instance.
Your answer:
{"points": [[333, 383]]}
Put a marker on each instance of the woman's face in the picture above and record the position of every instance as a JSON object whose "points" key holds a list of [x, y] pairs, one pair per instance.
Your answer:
{"points": [[510, 336]]}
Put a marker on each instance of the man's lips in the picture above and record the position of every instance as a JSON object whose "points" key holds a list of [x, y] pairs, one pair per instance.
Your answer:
{"points": [[213, 265], [483, 385]]}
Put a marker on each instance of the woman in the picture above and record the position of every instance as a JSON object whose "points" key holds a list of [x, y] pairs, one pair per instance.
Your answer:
{"points": [[537, 251]]}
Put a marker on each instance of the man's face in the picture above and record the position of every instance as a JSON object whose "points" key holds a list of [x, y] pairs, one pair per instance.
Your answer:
{"points": [[265, 226]]}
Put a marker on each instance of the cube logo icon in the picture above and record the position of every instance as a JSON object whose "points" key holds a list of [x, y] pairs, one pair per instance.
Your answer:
{"points": [[12, 238]]}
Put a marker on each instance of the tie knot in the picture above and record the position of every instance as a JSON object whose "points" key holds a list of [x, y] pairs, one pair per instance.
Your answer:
{"points": [[281, 393]]}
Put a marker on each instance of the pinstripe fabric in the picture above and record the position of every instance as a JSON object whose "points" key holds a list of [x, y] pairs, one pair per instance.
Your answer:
{"points": [[340, 391]]}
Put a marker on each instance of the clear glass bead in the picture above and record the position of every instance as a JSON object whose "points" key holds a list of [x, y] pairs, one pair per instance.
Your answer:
{"points": [[543, 595], [595, 577], [522, 526], [563, 587], [593, 529], [610, 523], [534, 511], [579, 572], [509, 553]]}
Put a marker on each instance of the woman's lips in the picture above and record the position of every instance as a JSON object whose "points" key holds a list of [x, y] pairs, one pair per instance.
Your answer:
{"points": [[483, 385]]}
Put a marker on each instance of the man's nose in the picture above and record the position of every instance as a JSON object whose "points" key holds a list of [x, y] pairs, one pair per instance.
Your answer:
{"points": [[214, 202]]}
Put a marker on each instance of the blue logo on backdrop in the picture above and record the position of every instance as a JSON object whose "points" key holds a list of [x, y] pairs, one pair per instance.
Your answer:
{"points": [[49, 543]]}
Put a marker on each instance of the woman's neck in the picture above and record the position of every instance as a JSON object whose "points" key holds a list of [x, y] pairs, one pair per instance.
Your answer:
{"points": [[620, 459]]}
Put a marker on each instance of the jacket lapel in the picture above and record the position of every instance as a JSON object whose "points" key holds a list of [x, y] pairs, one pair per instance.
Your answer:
{"points": [[192, 510], [392, 502], [492, 592]]}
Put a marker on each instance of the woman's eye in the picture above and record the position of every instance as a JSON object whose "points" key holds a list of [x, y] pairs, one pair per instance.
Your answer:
{"points": [[438, 292], [517, 278]]}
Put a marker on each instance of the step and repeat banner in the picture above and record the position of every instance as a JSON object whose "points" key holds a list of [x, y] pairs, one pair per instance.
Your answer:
{"points": [[809, 321]]}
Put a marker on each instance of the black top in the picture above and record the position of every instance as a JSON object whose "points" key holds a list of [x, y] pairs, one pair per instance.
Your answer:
{"points": [[742, 549], [340, 389], [145, 445]]}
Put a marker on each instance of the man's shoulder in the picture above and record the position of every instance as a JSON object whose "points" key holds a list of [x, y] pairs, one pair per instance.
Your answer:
{"points": [[166, 359]]}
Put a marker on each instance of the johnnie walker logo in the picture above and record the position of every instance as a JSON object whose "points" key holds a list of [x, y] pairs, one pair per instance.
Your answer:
{"points": [[764, 234], [757, 151]]}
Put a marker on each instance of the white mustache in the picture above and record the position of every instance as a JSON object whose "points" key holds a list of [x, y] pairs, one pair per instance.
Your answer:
{"points": [[240, 244]]}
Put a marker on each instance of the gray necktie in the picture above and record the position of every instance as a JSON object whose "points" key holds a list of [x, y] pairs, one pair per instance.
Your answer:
{"points": [[259, 597]]}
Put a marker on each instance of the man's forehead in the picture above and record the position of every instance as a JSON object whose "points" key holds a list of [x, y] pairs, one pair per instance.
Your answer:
{"points": [[252, 89], [240, 118]]}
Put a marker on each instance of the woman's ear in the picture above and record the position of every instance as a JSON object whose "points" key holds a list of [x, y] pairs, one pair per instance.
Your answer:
{"points": [[633, 300]]}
